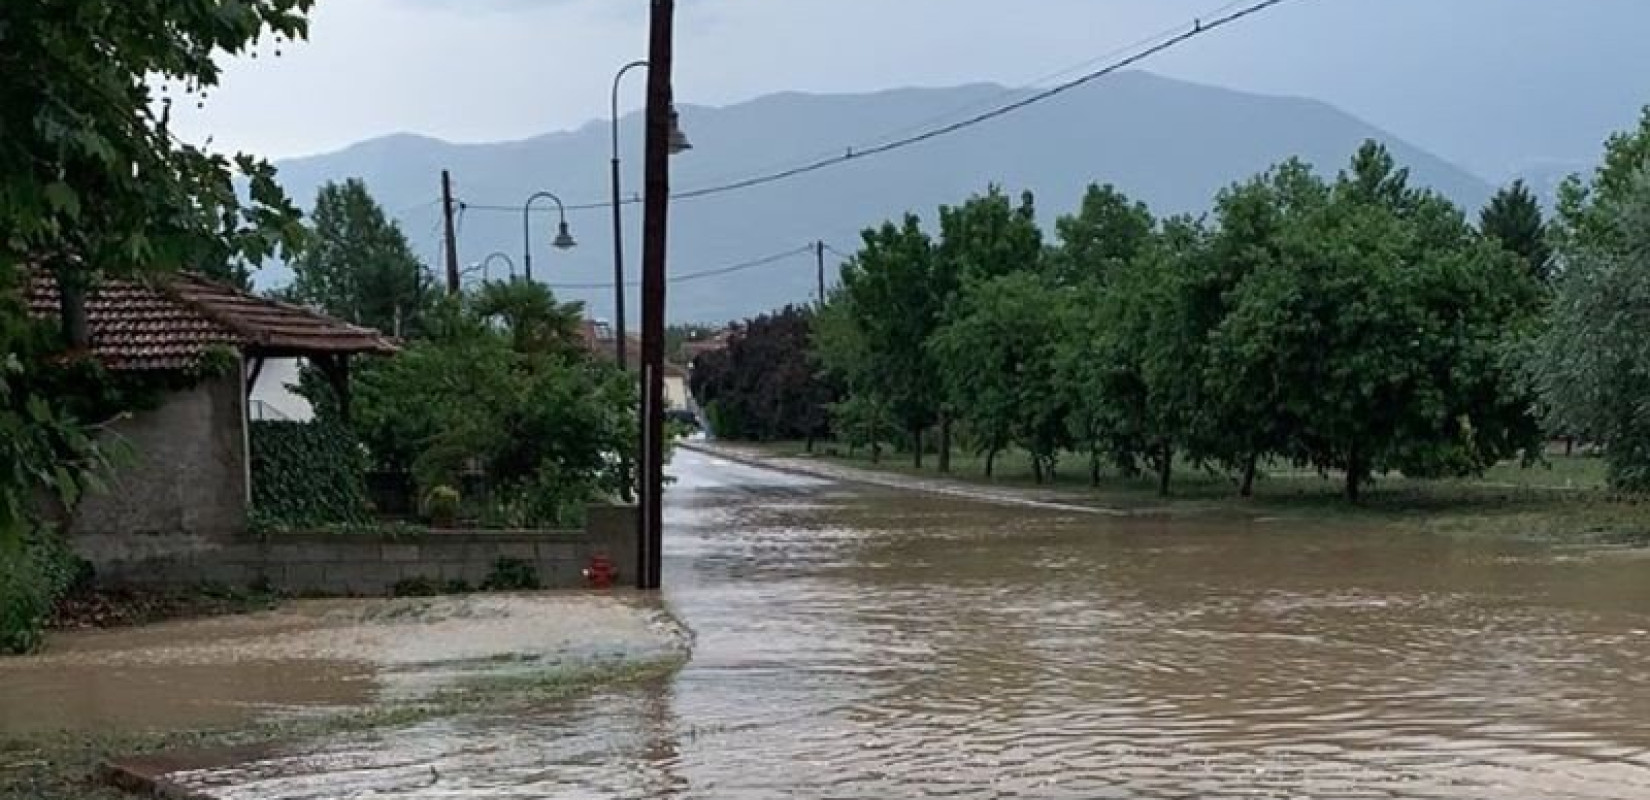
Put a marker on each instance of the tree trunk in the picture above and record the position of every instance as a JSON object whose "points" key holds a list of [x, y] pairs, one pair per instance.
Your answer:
{"points": [[916, 448], [1569, 446], [876, 452], [1037, 470], [945, 444], [990, 461], [1354, 474], [809, 447], [1165, 466], [1249, 465], [71, 290], [1094, 465]]}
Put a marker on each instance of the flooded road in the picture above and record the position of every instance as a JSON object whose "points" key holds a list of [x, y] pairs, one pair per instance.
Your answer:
{"points": [[864, 643]]}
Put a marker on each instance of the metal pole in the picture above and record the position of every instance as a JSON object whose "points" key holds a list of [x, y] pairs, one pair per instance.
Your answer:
{"points": [[618, 226], [655, 225], [527, 239], [819, 255], [452, 238]]}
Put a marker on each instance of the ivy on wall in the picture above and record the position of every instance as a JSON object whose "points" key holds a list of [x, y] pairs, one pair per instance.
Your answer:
{"points": [[307, 475]]}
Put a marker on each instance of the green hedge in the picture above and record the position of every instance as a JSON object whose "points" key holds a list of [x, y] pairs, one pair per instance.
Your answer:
{"points": [[307, 474]]}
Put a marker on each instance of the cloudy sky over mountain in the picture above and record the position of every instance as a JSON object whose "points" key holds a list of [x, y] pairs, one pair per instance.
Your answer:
{"points": [[1493, 84]]}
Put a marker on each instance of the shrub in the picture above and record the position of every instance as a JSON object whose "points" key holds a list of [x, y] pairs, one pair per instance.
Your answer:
{"points": [[32, 580], [511, 575], [442, 504], [416, 587]]}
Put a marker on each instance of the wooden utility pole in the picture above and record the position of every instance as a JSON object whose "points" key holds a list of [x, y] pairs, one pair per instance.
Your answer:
{"points": [[452, 238], [819, 255], [655, 214]]}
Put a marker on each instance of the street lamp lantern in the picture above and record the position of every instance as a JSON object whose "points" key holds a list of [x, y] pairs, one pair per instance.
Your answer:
{"points": [[564, 238], [679, 143]]}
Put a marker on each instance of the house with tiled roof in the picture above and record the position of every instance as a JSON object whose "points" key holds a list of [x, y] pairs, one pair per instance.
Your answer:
{"points": [[184, 489], [599, 339]]}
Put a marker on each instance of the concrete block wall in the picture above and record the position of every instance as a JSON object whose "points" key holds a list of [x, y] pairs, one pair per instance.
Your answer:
{"points": [[346, 565]]}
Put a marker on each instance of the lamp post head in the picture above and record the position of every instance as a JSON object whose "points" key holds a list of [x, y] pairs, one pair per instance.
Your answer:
{"points": [[564, 238], [678, 140]]}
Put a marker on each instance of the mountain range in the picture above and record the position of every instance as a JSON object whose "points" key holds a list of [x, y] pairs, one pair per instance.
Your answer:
{"points": [[1169, 143]]}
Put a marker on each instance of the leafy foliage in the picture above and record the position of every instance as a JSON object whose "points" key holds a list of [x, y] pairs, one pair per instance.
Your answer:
{"points": [[1590, 363], [498, 384], [897, 292], [1357, 325], [93, 183], [764, 385], [358, 265], [307, 475]]}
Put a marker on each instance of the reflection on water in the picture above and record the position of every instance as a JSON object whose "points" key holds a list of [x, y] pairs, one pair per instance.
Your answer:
{"points": [[857, 643]]}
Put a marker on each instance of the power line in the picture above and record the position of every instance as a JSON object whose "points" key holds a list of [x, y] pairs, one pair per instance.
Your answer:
{"points": [[1198, 29], [702, 274]]}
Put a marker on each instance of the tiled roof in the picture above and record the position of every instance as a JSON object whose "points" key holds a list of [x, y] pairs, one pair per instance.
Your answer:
{"points": [[169, 323], [598, 339]]}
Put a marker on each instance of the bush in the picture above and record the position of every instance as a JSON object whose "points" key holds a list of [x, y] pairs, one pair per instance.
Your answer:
{"points": [[32, 580], [511, 575]]}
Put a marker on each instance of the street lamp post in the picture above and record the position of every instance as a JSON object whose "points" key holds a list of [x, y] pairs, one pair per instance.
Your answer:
{"points": [[486, 265], [563, 240], [678, 144]]}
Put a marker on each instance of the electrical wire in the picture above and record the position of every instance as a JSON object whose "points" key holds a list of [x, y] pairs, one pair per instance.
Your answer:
{"points": [[1198, 29], [702, 274]]}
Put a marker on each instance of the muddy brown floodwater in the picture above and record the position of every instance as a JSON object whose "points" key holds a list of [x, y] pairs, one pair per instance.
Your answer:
{"points": [[868, 643]]}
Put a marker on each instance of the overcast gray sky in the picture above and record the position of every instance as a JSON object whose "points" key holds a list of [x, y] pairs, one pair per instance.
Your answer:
{"points": [[1492, 84]]}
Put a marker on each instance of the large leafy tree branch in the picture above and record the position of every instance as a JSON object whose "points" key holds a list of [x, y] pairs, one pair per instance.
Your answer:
{"points": [[93, 182]]}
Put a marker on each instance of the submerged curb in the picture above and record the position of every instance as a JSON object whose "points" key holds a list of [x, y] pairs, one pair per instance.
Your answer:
{"points": [[848, 474]]}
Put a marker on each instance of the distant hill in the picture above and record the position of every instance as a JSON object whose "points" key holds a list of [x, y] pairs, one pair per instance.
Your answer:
{"points": [[1169, 143]]}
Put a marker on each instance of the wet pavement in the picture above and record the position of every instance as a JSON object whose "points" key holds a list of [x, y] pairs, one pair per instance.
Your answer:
{"points": [[865, 642]]}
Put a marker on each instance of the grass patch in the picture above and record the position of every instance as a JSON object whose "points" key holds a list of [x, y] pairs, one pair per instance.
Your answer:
{"points": [[65, 766], [1564, 498]]}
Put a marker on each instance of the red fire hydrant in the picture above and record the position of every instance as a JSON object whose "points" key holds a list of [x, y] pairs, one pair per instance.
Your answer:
{"points": [[600, 573]]}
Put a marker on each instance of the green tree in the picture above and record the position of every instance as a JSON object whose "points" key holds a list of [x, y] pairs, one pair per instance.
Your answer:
{"points": [[996, 356], [1149, 353], [1584, 219], [358, 265], [548, 425], [840, 348], [1244, 419], [897, 292], [1513, 219], [984, 238], [1384, 328], [531, 315], [1589, 362], [1104, 235], [92, 183]]}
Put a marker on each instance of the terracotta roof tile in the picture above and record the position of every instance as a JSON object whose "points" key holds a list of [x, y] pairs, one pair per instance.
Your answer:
{"points": [[169, 323]]}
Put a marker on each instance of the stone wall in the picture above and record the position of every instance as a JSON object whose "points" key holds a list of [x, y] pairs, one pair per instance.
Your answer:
{"points": [[180, 482], [339, 564]]}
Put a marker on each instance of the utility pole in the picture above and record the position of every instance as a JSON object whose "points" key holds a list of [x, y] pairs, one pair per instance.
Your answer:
{"points": [[452, 238], [819, 255], [655, 215]]}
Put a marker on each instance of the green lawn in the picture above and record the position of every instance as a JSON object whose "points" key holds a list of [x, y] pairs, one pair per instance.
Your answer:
{"points": [[1564, 498]]}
